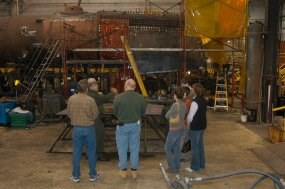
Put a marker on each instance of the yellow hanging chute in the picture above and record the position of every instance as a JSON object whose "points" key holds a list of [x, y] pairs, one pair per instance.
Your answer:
{"points": [[215, 18]]}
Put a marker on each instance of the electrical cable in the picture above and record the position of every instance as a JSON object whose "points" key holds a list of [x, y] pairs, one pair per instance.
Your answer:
{"points": [[186, 183], [276, 181], [257, 181]]}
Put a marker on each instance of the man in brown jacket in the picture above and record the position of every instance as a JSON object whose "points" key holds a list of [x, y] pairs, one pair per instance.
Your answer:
{"points": [[82, 111]]}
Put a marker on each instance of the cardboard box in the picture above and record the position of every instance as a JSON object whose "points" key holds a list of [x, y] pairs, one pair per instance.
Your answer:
{"points": [[279, 122], [275, 134]]}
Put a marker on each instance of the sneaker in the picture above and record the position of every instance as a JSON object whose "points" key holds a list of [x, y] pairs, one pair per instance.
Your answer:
{"points": [[188, 169], [95, 177], [123, 174], [75, 179], [135, 174], [184, 161]]}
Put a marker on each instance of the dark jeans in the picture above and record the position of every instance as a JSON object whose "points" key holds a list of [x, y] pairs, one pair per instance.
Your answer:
{"points": [[197, 150], [100, 133], [84, 135]]}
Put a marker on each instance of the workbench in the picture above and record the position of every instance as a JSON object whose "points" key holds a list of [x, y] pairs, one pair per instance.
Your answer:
{"points": [[152, 112]]}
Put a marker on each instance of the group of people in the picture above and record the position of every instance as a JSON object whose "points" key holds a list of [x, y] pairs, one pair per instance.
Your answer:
{"points": [[86, 112], [191, 107]]}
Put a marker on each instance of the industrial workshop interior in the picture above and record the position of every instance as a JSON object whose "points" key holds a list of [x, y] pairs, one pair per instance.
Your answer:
{"points": [[235, 49]]}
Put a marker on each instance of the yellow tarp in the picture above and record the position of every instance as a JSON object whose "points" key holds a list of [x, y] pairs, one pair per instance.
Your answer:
{"points": [[215, 18], [217, 57]]}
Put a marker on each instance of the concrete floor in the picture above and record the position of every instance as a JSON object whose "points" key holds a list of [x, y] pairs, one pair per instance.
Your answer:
{"points": [[25, 163]]}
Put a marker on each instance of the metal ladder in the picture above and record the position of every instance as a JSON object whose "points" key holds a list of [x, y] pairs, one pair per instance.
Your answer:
{"points": [[35, 74], [221, 94]]}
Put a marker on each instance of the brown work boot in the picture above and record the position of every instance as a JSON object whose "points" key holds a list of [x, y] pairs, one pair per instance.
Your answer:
{"points": [[123, 174], [135, 174]]}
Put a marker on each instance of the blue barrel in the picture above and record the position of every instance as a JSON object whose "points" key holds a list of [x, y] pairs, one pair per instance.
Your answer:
{"points": [[5, 108]]}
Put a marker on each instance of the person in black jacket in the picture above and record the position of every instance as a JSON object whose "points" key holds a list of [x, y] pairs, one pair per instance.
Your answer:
{"points": [[197, 122], [100, 100]]}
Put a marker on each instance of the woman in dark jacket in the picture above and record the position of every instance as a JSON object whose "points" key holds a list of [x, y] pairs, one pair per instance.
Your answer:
{"points": [[197, 122]]}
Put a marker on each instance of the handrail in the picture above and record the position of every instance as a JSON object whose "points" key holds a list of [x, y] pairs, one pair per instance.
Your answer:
{"points": [[278, 108]]}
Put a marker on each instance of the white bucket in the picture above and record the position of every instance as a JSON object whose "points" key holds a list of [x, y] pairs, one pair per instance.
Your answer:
{"points": [[243, 118]]}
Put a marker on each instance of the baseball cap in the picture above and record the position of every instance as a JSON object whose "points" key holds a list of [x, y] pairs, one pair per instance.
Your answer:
{"points": [[91, 80]]}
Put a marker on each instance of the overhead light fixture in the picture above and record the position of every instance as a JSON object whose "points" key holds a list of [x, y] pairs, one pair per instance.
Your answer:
{"points": [[24, 54], [208, 60], [16, 82]]}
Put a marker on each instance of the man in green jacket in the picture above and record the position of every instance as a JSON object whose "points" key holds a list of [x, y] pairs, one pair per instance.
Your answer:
{"points": [[129, 108], [100, 100]]}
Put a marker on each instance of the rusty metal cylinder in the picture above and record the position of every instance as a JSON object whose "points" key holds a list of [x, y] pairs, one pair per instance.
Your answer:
{"points": [[254, 62]]}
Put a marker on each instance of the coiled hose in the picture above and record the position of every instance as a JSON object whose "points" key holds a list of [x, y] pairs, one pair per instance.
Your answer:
{"points": [[275, 178]]}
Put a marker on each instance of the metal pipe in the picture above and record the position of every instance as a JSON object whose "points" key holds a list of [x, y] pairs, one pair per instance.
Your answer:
{"points": [[278, 108], [153, 49], [254, 66], [69, 62], [134, 66], [79, 2], [17, 7], [269, 105], [165, 175], [273, 14]]}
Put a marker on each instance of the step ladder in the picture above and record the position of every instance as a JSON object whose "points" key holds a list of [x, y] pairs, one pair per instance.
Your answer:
{"points": [[221, 93], [37, 71]]}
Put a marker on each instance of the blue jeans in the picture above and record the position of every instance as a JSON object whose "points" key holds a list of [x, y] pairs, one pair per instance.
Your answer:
{"points": [[84, 135], [197, 150], [128, 137], [173, 149]]}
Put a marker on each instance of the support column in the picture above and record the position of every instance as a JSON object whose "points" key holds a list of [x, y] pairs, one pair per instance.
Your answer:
{"points": [[272, 25], [15, 8]]}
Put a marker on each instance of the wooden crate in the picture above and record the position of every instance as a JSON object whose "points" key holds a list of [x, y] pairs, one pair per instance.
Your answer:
{"points": [[279, 122], [275, 134]]}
